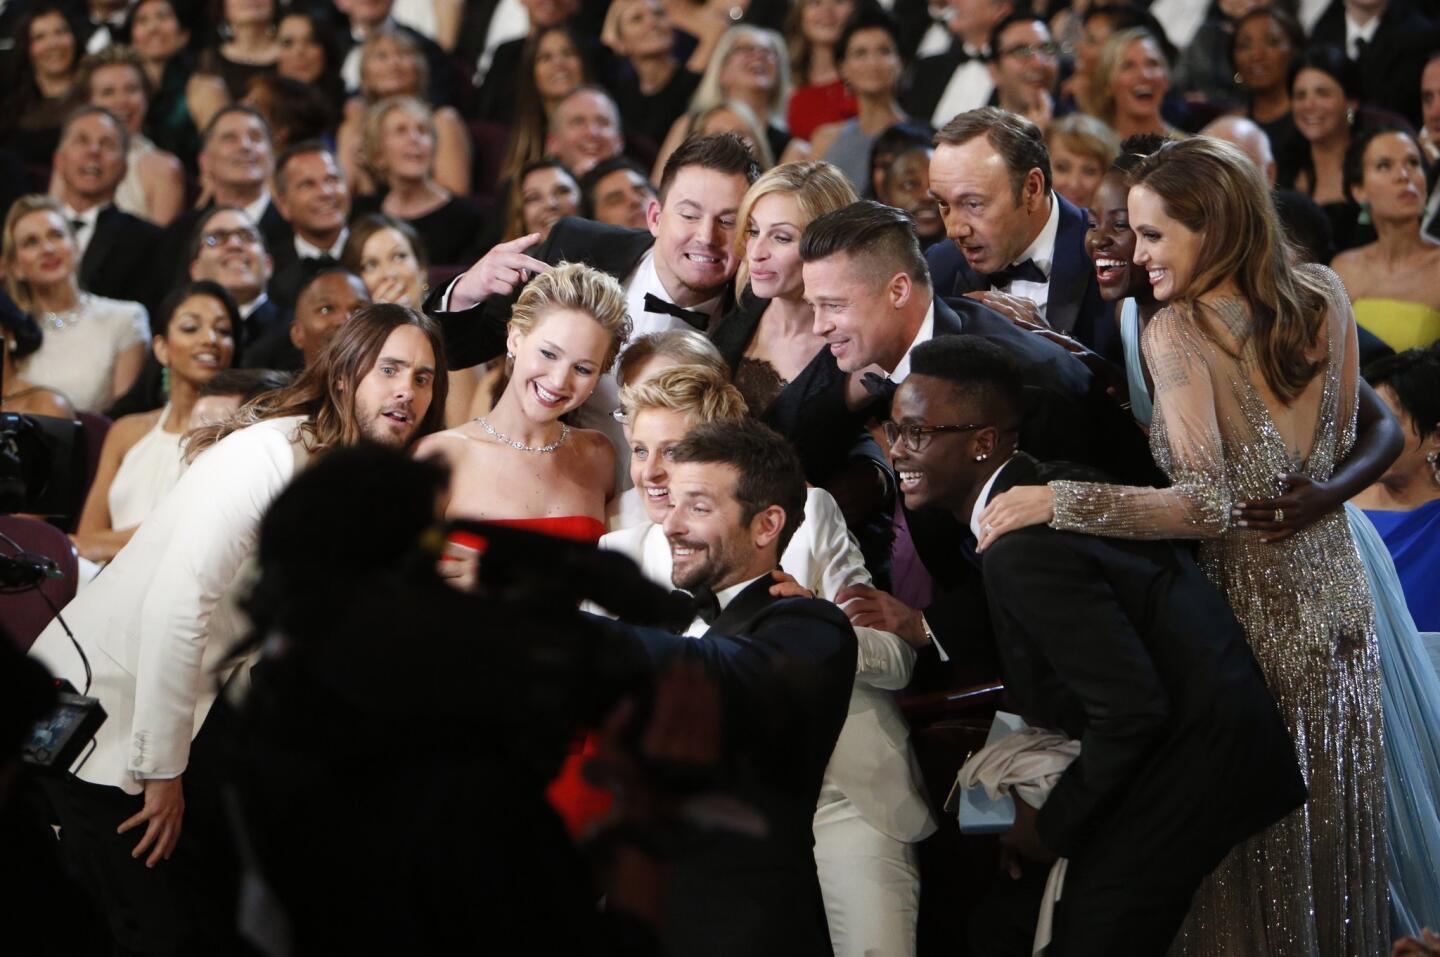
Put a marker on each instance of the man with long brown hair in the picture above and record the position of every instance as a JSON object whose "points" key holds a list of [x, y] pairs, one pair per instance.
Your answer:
{"points": [[158, 624]]}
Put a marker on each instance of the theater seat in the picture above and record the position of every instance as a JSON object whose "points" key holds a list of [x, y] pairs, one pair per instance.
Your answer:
{"points": [[26, 613], [93, 427]]}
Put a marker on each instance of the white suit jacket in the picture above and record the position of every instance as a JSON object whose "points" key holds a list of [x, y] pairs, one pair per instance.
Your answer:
{"points": [[160, 618], [872, 763]]}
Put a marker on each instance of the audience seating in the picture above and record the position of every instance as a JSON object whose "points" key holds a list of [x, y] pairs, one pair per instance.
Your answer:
{"points": [[27, 613]]}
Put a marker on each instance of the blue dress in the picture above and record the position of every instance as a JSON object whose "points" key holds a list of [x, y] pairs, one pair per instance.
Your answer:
{"points": [[1413, 539], [1410, 697]]}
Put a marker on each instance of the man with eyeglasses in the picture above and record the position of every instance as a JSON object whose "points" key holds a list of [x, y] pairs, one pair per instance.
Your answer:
{"points": [[1025, 65], [869, 285], [227, 248], [1124, 646]]}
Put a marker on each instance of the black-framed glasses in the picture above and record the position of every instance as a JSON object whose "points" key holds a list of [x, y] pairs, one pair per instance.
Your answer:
{"points": [[1026, 50], [918, 436]]}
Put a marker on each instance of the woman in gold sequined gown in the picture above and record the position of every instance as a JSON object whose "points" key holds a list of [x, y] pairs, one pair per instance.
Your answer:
{"points": [[1255, 370]]}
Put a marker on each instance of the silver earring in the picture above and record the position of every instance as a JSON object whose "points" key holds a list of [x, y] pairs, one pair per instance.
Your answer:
{"points": [[509, 354], [1434, 460], [980, 458]]}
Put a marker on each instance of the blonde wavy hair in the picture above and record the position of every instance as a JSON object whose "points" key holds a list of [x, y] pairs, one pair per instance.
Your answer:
{"points": [[402, 44], [818, 188], [685, 346], [1109, 62], [581, 288], [695, 391], [708, 93], [19, 289]]}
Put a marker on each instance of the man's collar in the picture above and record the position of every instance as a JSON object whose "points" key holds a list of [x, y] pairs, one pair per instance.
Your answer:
{"points": [[983, 498], [1042, 251], [925, 334], [90, 215], [255, 209], [1355, 31], [250, 308], [308, 250], [647, 275], [726, 595]]}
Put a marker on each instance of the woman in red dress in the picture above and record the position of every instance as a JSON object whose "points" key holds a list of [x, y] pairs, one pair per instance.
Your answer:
{"points": [[521, 465]]}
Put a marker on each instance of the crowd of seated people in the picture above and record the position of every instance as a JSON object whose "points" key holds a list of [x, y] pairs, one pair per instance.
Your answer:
{"points": [[594, 262]]}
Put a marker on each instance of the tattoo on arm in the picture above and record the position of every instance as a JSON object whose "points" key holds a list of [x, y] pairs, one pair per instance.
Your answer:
{"points": [[1170, 369]]}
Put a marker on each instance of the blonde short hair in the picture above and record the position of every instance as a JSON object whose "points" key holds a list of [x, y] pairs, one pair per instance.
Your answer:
{"points": [[375, 116], [685, 346], [696, 391], [581, 288], [818, 188]]}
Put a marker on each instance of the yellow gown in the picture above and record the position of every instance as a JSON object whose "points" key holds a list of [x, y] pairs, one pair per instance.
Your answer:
{"points": [[1401, 325]]}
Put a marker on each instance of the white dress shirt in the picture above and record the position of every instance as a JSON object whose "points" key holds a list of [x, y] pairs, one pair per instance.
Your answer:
{"points": [[1182, 19], [969, 88], [983, 499], [1042, 253], [1354, 33], [308, 250], [925, 334], [84, 226], [158, 623], [510, 21], [255, 209]]}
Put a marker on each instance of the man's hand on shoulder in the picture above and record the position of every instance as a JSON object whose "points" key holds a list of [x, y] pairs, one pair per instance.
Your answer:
{"points": [[502, 270], [869, 607]]}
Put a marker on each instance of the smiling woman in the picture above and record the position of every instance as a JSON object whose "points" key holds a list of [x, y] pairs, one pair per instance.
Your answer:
{"points": [[196, 336]]}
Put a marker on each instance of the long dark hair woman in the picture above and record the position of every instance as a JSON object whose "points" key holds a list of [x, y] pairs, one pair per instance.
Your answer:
{"points": [[1256, 376], [42, 73]]}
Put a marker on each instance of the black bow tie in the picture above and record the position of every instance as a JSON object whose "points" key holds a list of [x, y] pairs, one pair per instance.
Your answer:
{"points": [[706, 605], [1026, 270], [881, 387], [78, 224], [655, 304]]}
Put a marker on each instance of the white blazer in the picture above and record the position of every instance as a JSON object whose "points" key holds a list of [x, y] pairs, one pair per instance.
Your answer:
{"points": [[872, 763], [157, 622]]}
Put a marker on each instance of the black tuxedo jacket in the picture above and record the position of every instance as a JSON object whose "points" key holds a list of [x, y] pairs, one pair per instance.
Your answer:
{"points": [[928, 78], [1074, 307], [174, 244], [1134, 652], [1067, 417], [785, 667], [1390, 66], [117, 262], [477, 334]]}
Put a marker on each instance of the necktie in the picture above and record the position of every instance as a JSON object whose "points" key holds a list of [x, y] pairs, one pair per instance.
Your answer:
{"points": [[657, 305], [1360, 44], [881, 387], [703, 600], [1027, 271]]}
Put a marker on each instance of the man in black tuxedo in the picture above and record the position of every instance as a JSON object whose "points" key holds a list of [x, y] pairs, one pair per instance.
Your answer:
{"points": [[1016, 245], [312, 196], [1388, 41], [785, 667], [959, 79], [1130, 650], [869, 285], [115, 247], [676, 274]]}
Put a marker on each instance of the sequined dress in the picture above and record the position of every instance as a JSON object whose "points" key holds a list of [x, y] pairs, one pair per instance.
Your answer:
{"points": [[1314, 884]]}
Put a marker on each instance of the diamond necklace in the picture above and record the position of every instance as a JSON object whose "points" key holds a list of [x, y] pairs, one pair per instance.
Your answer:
{"points": [[521, 446], [67, 317]]}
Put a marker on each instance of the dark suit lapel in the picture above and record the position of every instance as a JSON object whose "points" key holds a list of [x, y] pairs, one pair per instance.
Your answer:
{"points": [[947, 320], [107, 234], [1020, 470], [1069, 272], [754, 599], [732, 334]]}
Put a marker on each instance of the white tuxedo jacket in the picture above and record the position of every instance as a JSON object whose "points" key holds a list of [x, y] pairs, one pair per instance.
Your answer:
{"points": [[872, 763], [157, 622]]}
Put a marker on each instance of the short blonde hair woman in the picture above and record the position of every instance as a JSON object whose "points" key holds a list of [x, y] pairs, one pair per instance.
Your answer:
{"points": [[521, 462], [1081, 151], [1131, 79]]}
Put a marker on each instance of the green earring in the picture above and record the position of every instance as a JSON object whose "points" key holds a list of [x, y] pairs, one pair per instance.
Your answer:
{"points": [[1364, 218], [165, 380]]}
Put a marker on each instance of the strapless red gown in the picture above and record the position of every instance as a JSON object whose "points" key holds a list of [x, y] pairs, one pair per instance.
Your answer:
{"points": [[577, 802]]}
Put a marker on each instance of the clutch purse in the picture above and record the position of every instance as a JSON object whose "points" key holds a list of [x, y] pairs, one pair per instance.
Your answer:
{"points": [[976, 811]]}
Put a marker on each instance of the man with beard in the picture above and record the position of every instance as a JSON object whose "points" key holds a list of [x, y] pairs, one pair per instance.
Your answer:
{"points": [[157, 626], [785, 667]]}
